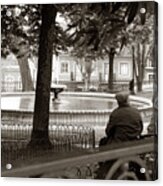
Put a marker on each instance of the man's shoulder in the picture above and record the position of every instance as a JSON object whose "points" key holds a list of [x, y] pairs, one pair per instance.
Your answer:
{"points": [[115, 110], [133, 108], [133, 111], [127, 108]]}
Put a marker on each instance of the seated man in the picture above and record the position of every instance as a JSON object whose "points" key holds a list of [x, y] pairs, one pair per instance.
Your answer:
{"points": [[125, 123]]}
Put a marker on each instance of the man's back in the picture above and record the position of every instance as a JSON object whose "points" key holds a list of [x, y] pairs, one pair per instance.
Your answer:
{"points": [[125, 124]]}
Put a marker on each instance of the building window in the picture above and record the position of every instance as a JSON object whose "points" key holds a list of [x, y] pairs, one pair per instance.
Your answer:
{"points": [[106, 71], [149, 63], [106, 68], [9, 83], [64, 67], [19, 83], [124, 69], [151, 78]]}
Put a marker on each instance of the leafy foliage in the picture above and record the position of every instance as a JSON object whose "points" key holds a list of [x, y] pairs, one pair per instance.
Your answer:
{"points": [[92, 27], [101, 26], [141, 41], [22, 22]]}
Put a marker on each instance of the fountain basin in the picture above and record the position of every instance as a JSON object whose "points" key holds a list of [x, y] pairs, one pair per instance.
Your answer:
{"points": [[79, 109]]}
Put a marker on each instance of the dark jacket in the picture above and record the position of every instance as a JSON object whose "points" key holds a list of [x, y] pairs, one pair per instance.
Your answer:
{"points": [[125, 124]]}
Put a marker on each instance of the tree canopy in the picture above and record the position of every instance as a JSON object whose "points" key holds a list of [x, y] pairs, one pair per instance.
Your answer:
{"points": [[100, 30], [23, 22]]}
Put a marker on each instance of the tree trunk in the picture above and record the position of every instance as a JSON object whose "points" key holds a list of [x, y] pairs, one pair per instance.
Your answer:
{"points": [[139, 63], [143, 61], [86, 83], [132, 82], [133, 63], [139, 85], [40, 136], [111, 65], [89, 80], [27, 83], [21, 51]]}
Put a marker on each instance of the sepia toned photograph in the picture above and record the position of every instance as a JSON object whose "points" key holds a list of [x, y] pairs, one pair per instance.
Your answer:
{"points": [[79, 90]]}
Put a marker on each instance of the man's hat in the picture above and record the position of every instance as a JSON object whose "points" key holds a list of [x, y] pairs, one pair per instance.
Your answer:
{"points": [[122, 97]]}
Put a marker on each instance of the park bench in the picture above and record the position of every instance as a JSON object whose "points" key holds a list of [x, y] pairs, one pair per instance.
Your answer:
{"points": [[84, 165]]}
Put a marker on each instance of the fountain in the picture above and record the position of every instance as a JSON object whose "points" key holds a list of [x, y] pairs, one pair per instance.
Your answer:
{"points": [[75, 109], [56, 89]]}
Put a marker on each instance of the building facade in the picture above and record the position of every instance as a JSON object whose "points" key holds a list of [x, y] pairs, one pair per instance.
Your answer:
{"points": [[66, 70], [10, 74]]}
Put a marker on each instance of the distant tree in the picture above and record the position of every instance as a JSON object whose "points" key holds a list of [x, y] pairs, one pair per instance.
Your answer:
{"points": [[98, 28], [20, 36], [20, 30], [141, 40], [86, 66], [85, 59], [102, 27]]}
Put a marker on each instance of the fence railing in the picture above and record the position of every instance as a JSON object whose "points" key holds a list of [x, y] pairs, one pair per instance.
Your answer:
{"points": [[64, 138], [16, 86], [11, 86], [57, 133], [132, 160]]}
